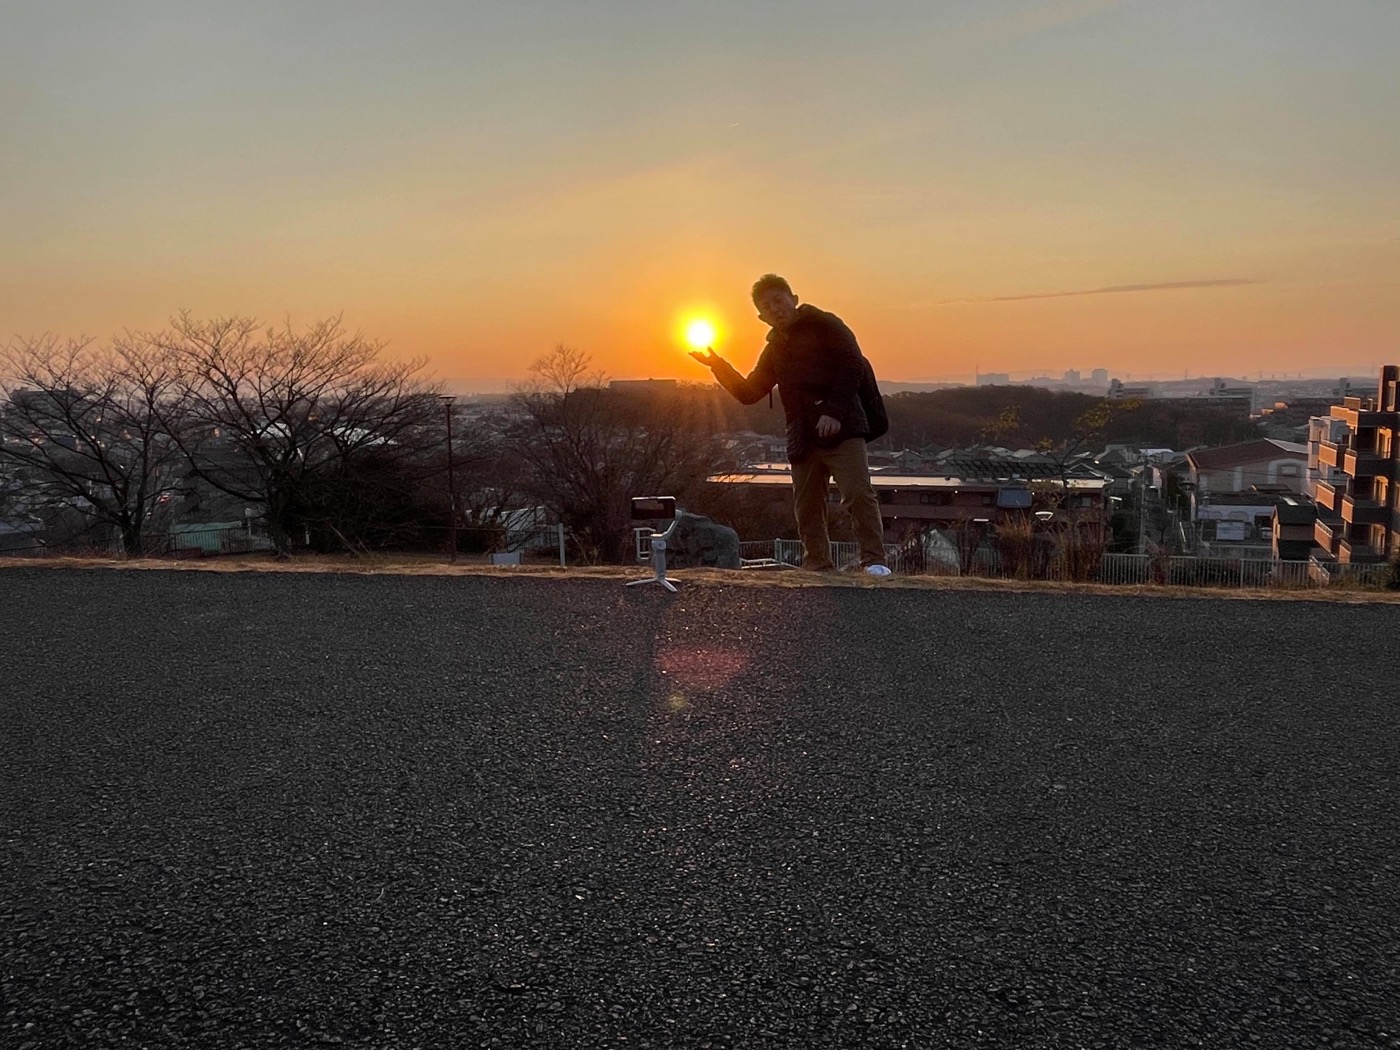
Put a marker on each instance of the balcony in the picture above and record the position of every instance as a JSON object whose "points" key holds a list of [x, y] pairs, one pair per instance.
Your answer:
{"points": [[1363, 463], [1328, 533], [1364, 414], [1356, 553], [1359, 511], [1331, 453], [1329, 491]]}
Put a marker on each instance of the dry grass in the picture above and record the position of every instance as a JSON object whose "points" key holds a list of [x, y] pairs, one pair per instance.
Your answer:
{"points": [[434, 565]]}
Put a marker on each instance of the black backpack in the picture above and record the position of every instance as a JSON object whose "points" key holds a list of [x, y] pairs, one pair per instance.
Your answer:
{"points": [[873, 402]]}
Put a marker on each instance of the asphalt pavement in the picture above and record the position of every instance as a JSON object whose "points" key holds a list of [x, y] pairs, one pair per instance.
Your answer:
{"points": [[301, 809]]}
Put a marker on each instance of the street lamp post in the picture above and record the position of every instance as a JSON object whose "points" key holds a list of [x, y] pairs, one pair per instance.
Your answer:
{"points": [[447, 400]]}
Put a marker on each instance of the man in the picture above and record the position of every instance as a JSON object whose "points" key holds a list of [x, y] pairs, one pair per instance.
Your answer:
{"points": [[814, 361]]}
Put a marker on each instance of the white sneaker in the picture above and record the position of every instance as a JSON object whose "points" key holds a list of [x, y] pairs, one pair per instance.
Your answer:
{"points": [[877, 570]]}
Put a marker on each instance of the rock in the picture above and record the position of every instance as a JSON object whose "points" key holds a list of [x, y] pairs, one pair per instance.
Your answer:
{"points": [[697, 542]]}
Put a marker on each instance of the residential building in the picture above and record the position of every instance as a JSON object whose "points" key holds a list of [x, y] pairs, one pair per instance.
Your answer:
{"points": [[1117, 391], [1322, 430], [1239, 525], [1269, 462], [1358, 484], [750, 447], [1222, 391], [1293, 524], [1233, 491], [965, 488]]}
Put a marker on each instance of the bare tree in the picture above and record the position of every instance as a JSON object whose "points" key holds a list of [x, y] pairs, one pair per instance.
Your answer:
{"points": [[562, 371], [91, 426], [284, 418], [490, 473], [1076, 541], [587, 450]]}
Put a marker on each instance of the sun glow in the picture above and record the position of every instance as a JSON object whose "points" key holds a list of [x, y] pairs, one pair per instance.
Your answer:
{"points": [[700, 333]]}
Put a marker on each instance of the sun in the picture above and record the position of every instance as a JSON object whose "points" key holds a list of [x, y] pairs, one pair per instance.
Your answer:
{"points": [[700, 333]]}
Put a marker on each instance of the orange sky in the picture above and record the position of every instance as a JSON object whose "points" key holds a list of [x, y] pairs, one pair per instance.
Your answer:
{"points": [[1008, 185]]}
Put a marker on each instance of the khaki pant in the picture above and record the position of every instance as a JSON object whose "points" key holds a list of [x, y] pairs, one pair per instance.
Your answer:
{"points": [[811, 480]]}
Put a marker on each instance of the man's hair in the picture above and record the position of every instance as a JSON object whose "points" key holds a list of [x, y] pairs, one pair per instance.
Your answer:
{"points": [[767, 283]]}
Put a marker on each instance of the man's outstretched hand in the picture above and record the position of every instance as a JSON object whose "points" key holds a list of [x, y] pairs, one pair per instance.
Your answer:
{"points": [[706, 357]]}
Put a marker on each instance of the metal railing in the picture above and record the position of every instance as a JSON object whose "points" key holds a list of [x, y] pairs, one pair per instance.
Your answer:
{"points": [[186, 542], [1111, 568], [534, 544], [497, 544], [549, 543]]}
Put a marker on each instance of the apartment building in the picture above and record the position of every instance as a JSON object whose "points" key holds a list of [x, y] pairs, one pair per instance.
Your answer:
{"points": [[1358, 485]]}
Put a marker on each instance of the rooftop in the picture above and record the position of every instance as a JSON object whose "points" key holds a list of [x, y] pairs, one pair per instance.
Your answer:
{"points": [[1245, 452]]}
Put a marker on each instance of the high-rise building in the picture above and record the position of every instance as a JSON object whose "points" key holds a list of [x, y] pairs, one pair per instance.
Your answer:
{"points": [[1099, 375]]}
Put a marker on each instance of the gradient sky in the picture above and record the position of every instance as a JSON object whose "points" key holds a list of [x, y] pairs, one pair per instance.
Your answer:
{"points": [[1151, 186]]}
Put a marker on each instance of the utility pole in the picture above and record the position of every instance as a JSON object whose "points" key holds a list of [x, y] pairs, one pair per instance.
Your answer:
{"points": [[447, 400], [1142, 507]]}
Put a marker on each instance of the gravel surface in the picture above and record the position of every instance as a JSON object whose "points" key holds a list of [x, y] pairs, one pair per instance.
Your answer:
{"points": [[267, 810]]}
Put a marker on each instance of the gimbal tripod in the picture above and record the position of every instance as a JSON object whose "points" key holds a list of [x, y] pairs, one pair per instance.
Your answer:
{"points": [[656, 508]]}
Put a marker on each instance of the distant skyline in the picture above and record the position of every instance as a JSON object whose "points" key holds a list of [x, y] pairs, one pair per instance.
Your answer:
{"points": [[1361, 377], [1021, 186]]}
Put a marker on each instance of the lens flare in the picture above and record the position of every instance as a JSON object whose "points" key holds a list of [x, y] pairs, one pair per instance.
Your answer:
{"points": [[700, 334]]}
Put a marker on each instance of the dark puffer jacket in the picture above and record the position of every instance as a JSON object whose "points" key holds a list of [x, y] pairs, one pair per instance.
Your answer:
{"points": [[816, 365]]}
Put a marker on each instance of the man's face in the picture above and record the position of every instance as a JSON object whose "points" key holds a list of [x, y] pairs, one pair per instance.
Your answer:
{"points": [[776, 307]]}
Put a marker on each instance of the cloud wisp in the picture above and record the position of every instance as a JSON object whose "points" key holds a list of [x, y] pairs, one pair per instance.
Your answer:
{"points": [[1164, 286]]}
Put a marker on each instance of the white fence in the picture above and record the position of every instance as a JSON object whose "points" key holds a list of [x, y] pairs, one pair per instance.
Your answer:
{"points": [[1186, 571], [1123, 569]]}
